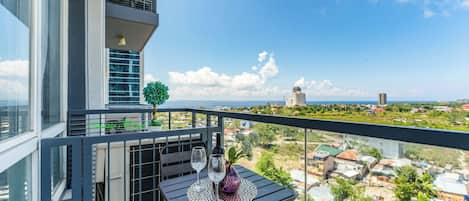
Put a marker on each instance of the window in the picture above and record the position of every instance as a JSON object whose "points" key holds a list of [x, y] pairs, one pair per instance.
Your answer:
{"points": [[124, 78], [58, 174], [15, 182], [14, 68], [51, 85]]}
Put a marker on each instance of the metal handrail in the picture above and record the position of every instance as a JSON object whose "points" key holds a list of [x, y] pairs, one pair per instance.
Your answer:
{"points": [[436, 137], [146, 5], [82, 146]]}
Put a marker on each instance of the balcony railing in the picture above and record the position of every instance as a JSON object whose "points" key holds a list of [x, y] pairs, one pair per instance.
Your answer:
{"points": [[146, 5], [115, 155]]}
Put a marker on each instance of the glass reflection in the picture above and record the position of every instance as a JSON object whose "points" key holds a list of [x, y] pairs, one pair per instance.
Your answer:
{"points": [[14, 68]]}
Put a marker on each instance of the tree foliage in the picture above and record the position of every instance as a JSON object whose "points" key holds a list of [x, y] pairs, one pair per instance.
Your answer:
{"points": [[410, 185], [266, 167], [156, 93], [266, 133], [371, 151], [342, 190], [348, 190]]}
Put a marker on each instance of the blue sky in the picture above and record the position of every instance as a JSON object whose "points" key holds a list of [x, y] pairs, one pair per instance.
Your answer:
{"points": [[335, 50]]}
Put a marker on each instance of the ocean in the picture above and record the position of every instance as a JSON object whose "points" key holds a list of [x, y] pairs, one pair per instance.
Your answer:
{"points": [[231, 104]]}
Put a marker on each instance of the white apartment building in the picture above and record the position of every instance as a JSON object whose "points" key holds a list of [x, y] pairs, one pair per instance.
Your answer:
{"points": [[298, 98]]}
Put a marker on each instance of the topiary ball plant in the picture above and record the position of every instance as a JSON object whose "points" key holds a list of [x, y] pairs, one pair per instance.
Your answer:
{"points": [[156, 93]]}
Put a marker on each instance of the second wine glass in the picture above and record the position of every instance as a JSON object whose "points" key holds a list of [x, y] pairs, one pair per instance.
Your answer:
{"points": [[198, 162], [216, 171]]}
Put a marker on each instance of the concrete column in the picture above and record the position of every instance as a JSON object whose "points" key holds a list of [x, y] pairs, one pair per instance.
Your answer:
{"points": [[95, 54]]}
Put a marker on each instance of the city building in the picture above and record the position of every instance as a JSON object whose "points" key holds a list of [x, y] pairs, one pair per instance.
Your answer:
{"points": [[387, 167], [443, 108], [298, 98], [382, 99], [125, 70], [322, 160], [347, 165], [245, 124]]}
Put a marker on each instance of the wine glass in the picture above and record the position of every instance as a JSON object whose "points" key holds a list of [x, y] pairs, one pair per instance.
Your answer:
{"points": [[216, 171], [198, 162]]}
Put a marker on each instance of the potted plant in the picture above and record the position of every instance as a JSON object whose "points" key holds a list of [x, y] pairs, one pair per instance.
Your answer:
{"points": [[230, 184], [155, 93]]}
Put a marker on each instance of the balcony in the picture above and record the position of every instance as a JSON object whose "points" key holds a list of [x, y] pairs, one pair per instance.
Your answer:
{"points": [[114, 155], [131, 20]]}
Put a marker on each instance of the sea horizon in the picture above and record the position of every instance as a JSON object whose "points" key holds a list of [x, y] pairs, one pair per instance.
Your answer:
{"points": [[247, 103]]}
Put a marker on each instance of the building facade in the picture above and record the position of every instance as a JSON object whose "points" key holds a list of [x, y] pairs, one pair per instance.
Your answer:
{"points": [[125, 70], [298, 98], [54, 61]]}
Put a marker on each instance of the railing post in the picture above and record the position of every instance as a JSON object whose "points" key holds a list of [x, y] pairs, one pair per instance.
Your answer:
{"points": [[306, 164], [87, 170], [169, 120], [68, 122], [77, 182], [100, 124], [221, 130], [208, 134], [45, 172], [194, 116]]}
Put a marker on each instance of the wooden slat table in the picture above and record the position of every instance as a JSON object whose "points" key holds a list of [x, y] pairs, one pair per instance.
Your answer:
{"points": [[176, 189]]}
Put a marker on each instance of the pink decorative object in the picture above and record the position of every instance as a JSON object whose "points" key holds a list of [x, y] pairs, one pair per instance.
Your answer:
{"points": [[230, 184]]}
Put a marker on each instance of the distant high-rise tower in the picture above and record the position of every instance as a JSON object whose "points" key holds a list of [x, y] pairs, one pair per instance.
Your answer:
{"points": [[383, 99], [298, 98]]}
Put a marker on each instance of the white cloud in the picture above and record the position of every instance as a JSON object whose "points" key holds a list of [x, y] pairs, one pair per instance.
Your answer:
{"points": [[261, 57], [207, 84], [14, 80], [325, 88], [300, 82], [204, 82], [148, 77], [14, 68], [14, 90], [269, 69]]}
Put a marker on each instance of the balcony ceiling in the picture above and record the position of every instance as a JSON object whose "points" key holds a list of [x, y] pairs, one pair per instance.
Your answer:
{"points": [[137, 26]]}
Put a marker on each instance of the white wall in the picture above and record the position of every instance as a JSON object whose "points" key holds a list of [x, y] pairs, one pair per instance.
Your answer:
{"points": [[95, 54]]}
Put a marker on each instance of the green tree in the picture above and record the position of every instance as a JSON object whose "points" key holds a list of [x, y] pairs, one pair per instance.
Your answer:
{"points": [[266, 167], [155, 93], [348, 190], [246, 146], [343, 189], [266, 132], [254, 138], [371, 151], [240, 137], [409, 184]]}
